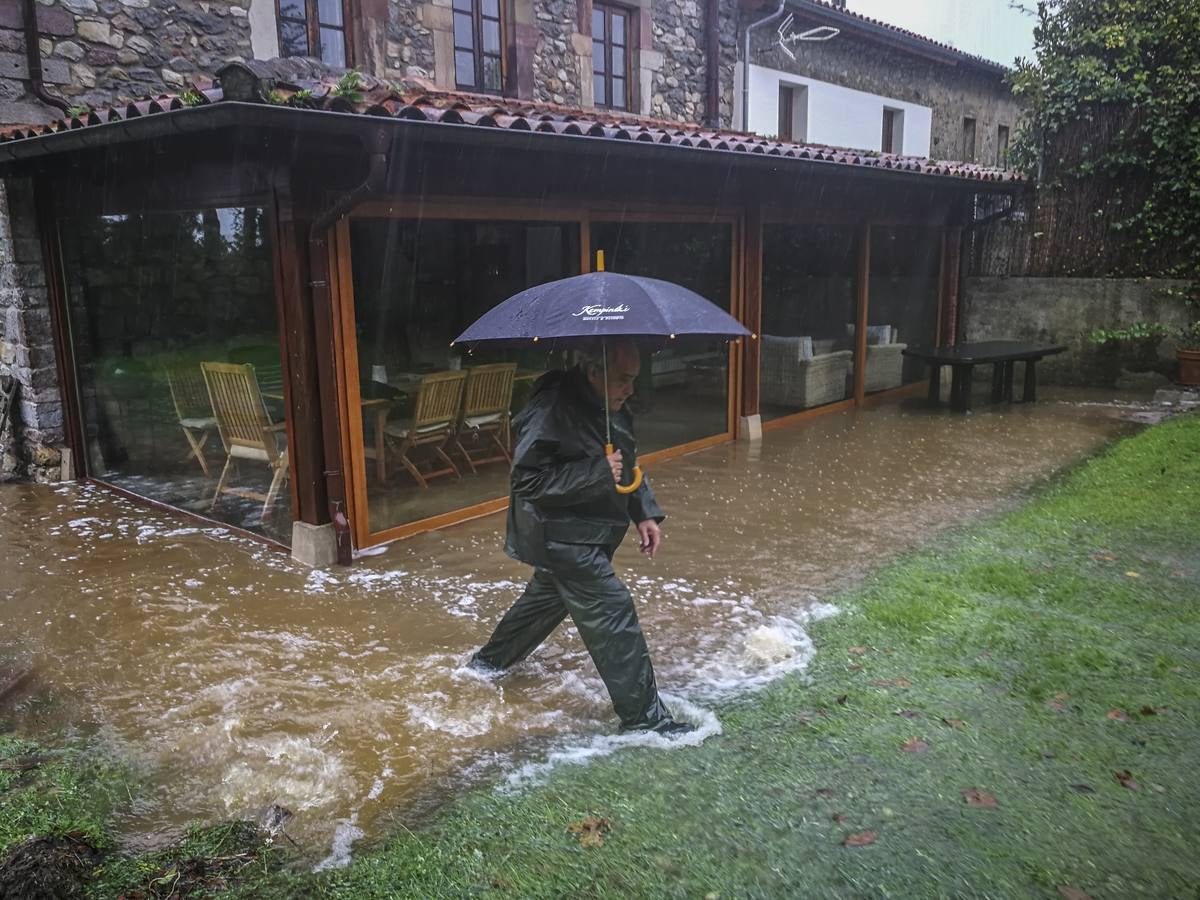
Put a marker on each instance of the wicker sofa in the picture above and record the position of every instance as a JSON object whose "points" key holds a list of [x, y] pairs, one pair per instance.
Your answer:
{"points": [[792, 377], [885, 360]]}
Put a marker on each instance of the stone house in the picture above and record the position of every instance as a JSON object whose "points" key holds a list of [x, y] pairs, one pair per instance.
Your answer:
{"points": [[872, 87], [252, 274]]}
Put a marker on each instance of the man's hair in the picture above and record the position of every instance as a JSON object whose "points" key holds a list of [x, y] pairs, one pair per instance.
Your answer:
{"points": [[593, 353]]}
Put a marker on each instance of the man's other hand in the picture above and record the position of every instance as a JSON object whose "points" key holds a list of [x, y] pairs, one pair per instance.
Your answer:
{"points": [[651, 537], [614, 463]]}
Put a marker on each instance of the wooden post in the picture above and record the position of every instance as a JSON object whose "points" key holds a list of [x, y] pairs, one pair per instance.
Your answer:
{"points": [[948, 300], [302, 399], [752, 263], [862, 286]]}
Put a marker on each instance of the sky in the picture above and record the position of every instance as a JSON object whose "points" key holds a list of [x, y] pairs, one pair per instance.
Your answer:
{"points": [[987, 28]]}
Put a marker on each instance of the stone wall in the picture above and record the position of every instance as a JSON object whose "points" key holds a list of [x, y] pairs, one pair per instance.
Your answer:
{"points": [[98, 52], [409, 41], [29, 448], [1065, 310], [556, 66], [952, 92], [679, 90]]}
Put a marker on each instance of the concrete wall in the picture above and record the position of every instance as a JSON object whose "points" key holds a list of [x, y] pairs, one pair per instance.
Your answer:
{"points": [[836, 115], [1065, 310]]}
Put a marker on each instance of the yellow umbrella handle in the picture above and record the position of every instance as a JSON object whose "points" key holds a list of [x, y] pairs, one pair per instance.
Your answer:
{"points": [[637, 475]]}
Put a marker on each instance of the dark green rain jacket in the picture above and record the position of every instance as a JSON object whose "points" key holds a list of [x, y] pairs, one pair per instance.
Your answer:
{"points": [[562, 486]]}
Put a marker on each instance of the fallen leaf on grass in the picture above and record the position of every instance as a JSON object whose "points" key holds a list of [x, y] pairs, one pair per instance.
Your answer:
{"points": [[1103, 557], [854, 668], [1083, 789], [842, 699], [591, 831], [838, 817], [914, 745], [1117, 715], [1153, 710], [1073, 893], [1133, 574], [1179, 573], [825, 792], [857, 651], [860, 839], [891, 682], [1126, 780], [976, 797], [1177, 670], [1056, 702], [908, 714], [954, 723]]}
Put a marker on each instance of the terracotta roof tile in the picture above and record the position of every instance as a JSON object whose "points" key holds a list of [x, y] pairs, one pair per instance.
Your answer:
{"points": [[416, 101]]}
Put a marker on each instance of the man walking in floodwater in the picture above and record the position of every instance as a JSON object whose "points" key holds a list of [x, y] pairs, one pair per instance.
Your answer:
{"points": [[566, 520]]}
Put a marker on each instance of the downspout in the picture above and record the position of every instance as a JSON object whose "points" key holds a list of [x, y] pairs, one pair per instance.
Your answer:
{"points": [[746, 63], [318, 264], [712, 53], [33, 60]]}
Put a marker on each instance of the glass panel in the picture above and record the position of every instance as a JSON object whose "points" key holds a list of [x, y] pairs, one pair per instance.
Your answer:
{"points": [[329, 12], [417, 285], [618, 97], [491, 8], [464, 32], [682, 392], [293, 39], [903, 303], [464, 68], [292, 9], [618, 29], [599, 97], [159, 302], [598, 31], [463, 6], [491, 36], [806, 344], [597, 57], [491, 73], [333, 47], [618, 61]]}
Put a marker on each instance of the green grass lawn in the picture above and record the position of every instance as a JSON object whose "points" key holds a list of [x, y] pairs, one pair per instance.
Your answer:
{"points": [[1010, 713]]}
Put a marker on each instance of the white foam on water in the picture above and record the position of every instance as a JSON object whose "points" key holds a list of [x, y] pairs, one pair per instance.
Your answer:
{"points": [[577, 753], [344, 835]]}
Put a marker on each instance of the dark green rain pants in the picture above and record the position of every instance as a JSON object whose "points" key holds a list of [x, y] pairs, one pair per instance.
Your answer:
{"points": [[581, 582]]}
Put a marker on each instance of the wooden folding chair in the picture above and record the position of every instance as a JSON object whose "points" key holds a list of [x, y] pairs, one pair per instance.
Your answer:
{"points": [[485, 416], [245, 427], [435, 416], [193, 410]]}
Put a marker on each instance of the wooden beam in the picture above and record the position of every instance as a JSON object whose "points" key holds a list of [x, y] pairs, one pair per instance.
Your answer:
{"points": [[862, 290], [951, 257], [752, 309], [301, 393]]}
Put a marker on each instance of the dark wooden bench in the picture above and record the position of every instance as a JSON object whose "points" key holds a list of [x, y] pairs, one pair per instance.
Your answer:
{"points": [[963, 358]]}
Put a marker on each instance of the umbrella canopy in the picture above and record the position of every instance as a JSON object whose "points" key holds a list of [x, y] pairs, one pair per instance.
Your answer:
{"points": [[599, 305]]}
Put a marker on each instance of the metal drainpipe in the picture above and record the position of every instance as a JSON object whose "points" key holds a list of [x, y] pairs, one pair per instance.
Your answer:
{"points": [[318, 265], [33, 60], [746, 63], [712, 52]]}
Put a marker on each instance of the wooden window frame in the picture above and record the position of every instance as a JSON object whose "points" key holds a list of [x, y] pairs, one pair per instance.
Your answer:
{"points": [[611, 11], [787, 104], [1003, 142], [970, 126], [312, 29], [478, 54]]}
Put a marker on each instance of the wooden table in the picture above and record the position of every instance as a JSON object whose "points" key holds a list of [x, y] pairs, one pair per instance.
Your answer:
{"points": [[962, 359]]}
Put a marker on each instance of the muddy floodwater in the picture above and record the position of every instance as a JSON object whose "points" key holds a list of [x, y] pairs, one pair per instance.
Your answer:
{"points": [[231, 678]]}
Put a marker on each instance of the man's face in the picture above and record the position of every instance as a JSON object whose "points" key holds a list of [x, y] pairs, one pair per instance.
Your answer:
{"points": [[624, 364]]}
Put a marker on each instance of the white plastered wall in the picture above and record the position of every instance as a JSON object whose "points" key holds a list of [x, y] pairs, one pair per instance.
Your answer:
{"points": [[837, 116]]}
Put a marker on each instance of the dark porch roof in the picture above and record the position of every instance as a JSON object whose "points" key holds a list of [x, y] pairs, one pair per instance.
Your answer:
{"points": [[272, 85]]}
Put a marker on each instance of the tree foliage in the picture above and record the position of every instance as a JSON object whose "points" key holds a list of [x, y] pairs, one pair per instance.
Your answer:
{"points": [[1114, 115]]}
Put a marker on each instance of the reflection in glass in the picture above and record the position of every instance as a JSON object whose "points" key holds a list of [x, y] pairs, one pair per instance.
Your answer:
{"points": [[808, 312], [430, 414], [293, 38], [464, 68], [177, 352], [333, 47], [903, 302], [329, 12], [682, 393]]}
